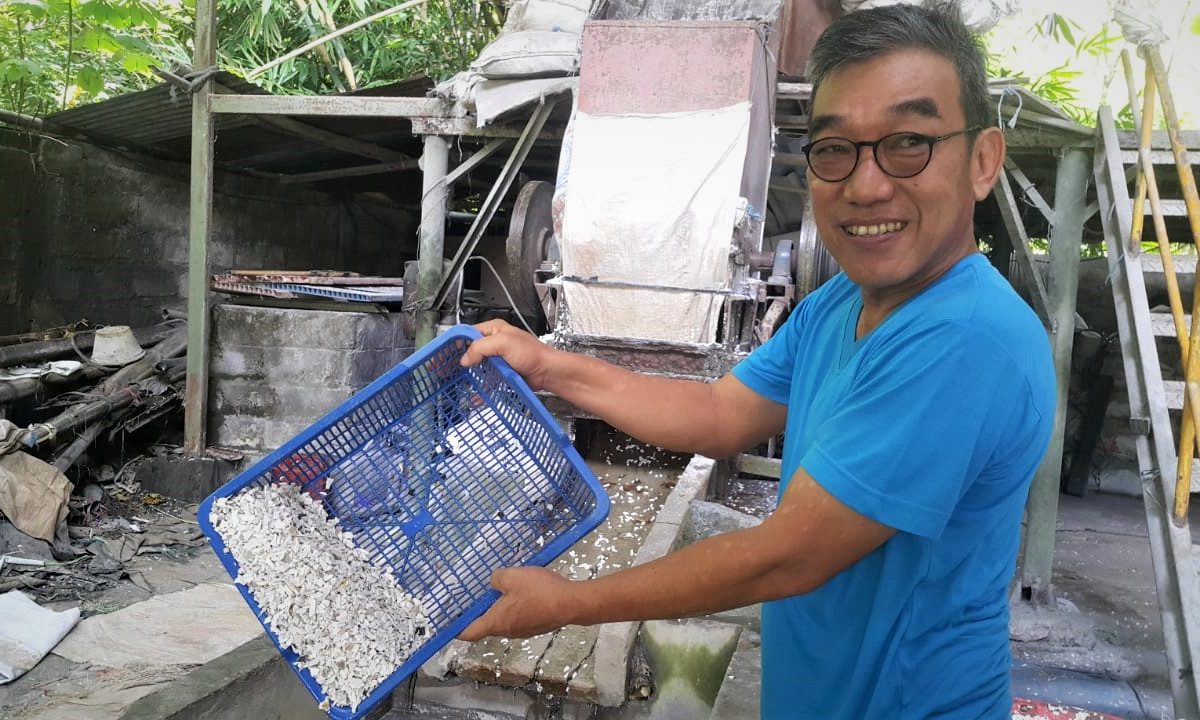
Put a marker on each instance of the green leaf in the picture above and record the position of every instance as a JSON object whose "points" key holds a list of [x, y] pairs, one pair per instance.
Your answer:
{"points": [[98, 40], [137, 62], [90, 80]]}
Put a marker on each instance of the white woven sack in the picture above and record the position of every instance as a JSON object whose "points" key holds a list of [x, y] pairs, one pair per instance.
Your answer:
{"points": [[548, 15], [532, 53]]}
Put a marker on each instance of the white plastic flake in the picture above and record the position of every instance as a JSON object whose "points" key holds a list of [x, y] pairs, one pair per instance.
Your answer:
{"points": [[349, 621]]}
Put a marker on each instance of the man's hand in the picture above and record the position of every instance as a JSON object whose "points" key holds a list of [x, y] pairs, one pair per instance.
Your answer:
{"points": [[524, 352], [534, 600]]}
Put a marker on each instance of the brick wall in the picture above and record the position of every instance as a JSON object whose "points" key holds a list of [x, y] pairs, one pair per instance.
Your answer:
{"points": [[274, 371]]}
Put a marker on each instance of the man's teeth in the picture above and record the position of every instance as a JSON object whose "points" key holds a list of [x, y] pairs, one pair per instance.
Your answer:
{"points": [[861, 230]]}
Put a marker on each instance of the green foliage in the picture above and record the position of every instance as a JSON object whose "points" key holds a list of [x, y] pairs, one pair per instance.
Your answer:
{"points": [[56, 54], [436, 39], [1060, 84]]}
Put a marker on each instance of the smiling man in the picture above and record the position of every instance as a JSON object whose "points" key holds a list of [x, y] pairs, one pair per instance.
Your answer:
{"points": [[915, 390]]}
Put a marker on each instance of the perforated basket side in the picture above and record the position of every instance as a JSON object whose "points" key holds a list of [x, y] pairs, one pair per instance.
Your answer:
{"points": [[443, 473]]}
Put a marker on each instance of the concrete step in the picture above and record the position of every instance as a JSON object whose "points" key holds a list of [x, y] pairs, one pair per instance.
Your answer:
{"points": [[1184, 264], [1158, 157], [1164, 324]]}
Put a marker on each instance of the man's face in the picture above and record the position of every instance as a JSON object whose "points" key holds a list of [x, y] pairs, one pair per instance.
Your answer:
{"points": [[894, 236]]}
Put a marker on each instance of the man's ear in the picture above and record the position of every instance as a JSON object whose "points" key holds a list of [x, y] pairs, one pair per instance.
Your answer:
{"points": [[987, 161]]}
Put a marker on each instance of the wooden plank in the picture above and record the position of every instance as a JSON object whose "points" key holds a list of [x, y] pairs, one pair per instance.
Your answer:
{"points": [[758, 465], [329, 105]]}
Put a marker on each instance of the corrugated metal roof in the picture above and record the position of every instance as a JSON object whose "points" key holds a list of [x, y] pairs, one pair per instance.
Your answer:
{"points": [[147, 118], [158, 122]]}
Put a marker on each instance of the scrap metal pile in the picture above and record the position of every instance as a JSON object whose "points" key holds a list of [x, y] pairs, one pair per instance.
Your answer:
{"points": [[71, 398]]}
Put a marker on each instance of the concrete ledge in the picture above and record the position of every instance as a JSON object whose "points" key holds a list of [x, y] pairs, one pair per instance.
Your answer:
{"points": [[250, 682], [616, 640], [739, 698]]}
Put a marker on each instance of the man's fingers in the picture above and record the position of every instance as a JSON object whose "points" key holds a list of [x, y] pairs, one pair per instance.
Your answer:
{"points": [[477, 630], [500, 579]]}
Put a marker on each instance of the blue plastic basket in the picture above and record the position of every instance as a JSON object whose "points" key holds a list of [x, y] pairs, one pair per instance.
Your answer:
{"points": [[444, 473]]}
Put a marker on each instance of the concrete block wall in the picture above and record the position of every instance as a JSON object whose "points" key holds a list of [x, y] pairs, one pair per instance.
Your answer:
{"points": [[273, 372], [90, 233]]}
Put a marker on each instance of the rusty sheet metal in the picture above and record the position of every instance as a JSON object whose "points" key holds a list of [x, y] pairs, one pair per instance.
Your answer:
{"points": [[246, 288], [315, 277]]}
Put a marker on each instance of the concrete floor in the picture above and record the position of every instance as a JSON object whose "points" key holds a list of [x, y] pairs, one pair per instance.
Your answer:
{"points": [[1102, 648], [1107, 624]]}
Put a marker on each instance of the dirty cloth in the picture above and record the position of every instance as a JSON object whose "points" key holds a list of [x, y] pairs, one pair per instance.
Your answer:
{"points": [[682, 207], [33, 495], [62, 368], [28, 632], [164, 630]]}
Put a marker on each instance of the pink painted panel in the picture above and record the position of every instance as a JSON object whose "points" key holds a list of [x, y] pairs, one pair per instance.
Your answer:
{"points": [[659, 67]]}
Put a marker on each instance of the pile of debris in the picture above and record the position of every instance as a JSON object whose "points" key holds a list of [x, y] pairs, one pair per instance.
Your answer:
{"points": [[71, 399]]}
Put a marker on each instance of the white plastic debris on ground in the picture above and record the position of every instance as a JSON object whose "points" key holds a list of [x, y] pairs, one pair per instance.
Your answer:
{"points": [[28, 632], [349, 620], [652, 201]]}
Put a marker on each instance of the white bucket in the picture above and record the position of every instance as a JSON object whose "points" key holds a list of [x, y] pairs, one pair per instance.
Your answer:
{"points": [[116, 345]]}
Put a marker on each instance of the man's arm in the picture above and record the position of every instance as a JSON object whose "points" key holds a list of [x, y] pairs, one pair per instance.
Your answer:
{"points": [[714, 419], [810, 538]]}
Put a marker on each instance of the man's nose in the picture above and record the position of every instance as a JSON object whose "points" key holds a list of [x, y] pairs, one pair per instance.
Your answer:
{"points": [[868, 183]]}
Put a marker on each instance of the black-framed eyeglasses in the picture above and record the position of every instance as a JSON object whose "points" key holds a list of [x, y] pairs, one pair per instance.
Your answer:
{"points": [[901, 155]]}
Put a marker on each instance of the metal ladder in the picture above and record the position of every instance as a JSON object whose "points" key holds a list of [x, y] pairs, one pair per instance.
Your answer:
{"points": [[1175, 569]]}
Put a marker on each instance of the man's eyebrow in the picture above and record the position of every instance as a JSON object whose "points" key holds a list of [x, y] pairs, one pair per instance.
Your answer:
{"points": [[823, 122], [923, 106]]}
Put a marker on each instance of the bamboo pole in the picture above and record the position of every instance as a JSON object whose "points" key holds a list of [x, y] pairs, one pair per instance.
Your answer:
{"points": [[330, 36], [1192, 199], [1191, 401], [1139, 198]]}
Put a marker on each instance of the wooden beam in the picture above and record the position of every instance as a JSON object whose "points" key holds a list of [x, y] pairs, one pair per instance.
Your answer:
{"points": [[346, 144], [758, 465], [329, 105]]}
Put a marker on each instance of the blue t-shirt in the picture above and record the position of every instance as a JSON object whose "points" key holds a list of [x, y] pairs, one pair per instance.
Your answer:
{"points": [[932, 424]]}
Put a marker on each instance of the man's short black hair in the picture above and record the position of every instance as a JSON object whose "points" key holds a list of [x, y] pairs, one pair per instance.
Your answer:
{"points": [[937, 27]]}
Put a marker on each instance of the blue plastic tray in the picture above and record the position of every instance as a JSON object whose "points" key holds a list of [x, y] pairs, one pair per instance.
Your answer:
{"points": [[446, 474]]}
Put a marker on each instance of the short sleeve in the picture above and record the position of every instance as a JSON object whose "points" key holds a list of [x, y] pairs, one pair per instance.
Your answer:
{"points": [[768, 370], [914, 426]]}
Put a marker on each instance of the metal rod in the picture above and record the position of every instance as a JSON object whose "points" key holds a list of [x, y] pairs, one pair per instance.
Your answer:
{"points": [[329, 36], [28, 121], [195, 402], [1070, 195], [472, 162], [66, 347], [431, 255], [1011, 215], [328, 105], [1187, 181], [1029, 190], [357, 171], [517, 158]]}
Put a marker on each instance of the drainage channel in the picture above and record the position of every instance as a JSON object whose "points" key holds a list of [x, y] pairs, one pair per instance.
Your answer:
{"points": [[575, 672]]}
